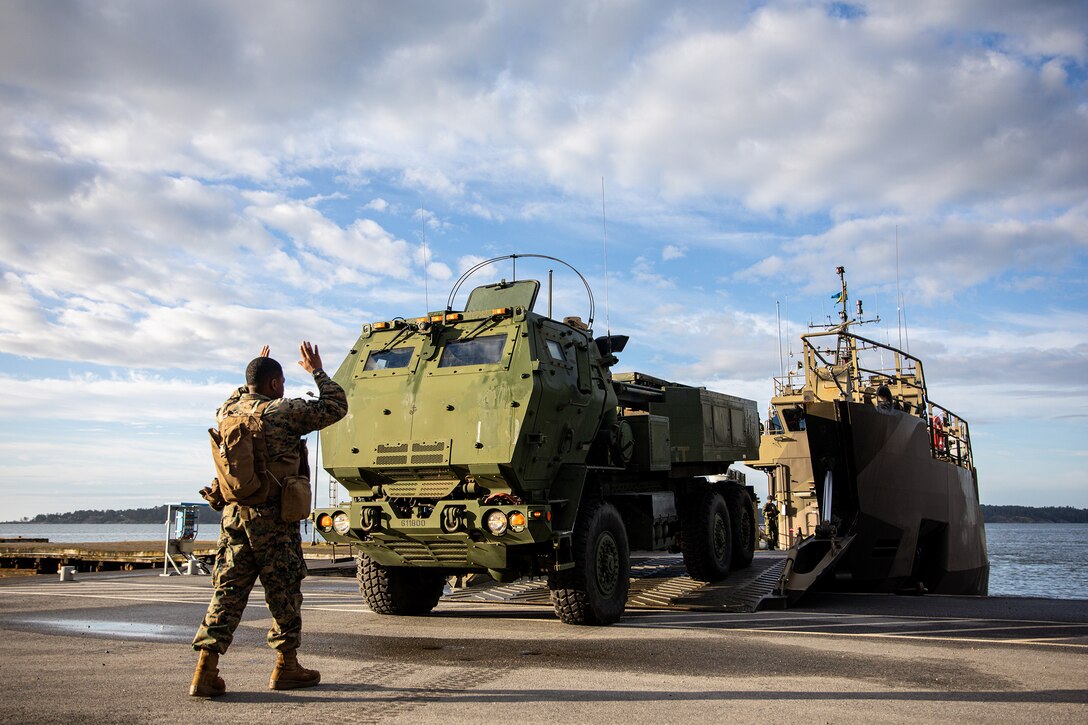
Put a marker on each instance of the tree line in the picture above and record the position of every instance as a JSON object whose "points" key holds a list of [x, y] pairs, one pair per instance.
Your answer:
{"points": [[153, 515], [1034, 515]]}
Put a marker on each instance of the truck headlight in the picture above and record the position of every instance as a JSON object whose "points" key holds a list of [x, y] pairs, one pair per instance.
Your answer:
{"points": [[341, 523], [496, 522]]}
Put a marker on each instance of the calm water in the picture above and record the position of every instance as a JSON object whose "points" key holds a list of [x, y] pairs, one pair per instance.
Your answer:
{"points": [[1038, 560], [90, 533], [1026, 560]]}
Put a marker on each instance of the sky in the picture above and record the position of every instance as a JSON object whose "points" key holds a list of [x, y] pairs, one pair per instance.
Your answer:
{"points": [[182, 183]]}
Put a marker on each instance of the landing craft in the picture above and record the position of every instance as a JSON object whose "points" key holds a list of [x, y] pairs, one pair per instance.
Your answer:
{"points": [[877, 481], [495, 440]]}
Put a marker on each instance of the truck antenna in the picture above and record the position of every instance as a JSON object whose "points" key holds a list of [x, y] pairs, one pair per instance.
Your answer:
{"points": [[423, 234], [607, 309]]}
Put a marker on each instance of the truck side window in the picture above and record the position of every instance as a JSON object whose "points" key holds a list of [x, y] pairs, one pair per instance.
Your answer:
{"points": [[555, 350], [475, 351], [398, 357]]}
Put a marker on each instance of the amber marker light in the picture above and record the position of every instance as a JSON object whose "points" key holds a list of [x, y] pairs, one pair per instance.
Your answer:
{"points": [[501, 312], [324, 521], [517, 521], [381, 326]]}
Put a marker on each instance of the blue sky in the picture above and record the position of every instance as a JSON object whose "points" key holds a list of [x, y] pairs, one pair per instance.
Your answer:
{"points": [[184, 182]]}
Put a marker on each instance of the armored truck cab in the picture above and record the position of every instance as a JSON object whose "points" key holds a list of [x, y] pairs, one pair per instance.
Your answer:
{"points": [[496, 439]]}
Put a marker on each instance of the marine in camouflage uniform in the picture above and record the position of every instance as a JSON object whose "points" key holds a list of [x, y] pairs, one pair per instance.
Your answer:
{"points": [[254, 543]]}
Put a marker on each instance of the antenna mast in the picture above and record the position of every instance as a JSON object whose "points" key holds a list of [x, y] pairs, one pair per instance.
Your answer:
{"points": [[423, 233], [898, 294], [604, 227], [781, 360]]}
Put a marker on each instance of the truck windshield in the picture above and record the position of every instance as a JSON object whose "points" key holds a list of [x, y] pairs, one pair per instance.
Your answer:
{"points": [[477, 351], [398, 357]]}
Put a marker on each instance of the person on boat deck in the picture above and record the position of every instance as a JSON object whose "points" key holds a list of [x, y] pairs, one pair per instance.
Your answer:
{"points": [[770, 515], [773, 423], [884, 398]]}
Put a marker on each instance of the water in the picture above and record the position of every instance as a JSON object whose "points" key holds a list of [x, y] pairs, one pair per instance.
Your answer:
{"points": [[1038, 560], [94, 533], [1026, 560]]}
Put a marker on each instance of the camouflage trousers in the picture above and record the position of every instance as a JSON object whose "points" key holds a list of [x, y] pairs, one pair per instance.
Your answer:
{"points": [[253, 546]]}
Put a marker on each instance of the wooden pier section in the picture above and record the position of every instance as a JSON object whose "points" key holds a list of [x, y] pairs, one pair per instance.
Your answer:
{"points": [[42, 557]]}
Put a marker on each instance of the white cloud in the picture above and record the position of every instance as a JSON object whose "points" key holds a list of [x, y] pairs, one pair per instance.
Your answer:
{"points": [[672, 251]]}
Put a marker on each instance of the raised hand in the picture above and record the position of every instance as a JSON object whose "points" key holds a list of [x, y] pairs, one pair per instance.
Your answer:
{"points": [[311, 358]]}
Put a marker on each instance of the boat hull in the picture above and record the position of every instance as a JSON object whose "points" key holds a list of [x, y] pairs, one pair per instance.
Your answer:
{"points": [[904, 519]]}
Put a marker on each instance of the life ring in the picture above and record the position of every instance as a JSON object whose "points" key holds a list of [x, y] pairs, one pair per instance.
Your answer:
{"points": [[940, 438]]}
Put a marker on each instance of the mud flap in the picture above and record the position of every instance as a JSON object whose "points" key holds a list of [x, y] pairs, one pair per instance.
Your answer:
{"points": [[563, 551]]}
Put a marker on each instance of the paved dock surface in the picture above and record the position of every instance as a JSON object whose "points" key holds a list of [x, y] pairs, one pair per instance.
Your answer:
{"points": [[114, 647]]}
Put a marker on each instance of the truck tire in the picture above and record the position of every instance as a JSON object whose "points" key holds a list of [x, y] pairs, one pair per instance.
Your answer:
{"points": [[706, 538], [743, 524], [405, 591], [594, 592]]}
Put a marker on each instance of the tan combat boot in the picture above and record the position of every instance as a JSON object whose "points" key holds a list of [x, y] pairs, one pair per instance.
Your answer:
{"points": [[289, 674], [206, 679]]}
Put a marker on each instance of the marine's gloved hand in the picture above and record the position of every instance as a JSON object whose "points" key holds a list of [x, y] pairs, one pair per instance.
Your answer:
{"points": [[211, 495]]}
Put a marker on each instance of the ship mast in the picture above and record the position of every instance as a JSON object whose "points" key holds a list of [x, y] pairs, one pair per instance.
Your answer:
{"points": [[841, 271], [843, 355]]}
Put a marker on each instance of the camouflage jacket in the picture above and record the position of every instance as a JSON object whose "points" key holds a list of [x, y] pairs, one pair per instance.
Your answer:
{"points": [[286, 420]]}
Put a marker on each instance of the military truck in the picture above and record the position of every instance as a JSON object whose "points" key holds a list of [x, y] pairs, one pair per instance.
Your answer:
{"points": [[495, 439]]}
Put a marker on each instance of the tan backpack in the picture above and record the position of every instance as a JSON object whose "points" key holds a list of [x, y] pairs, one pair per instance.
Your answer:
{"points": [[241, 458]]}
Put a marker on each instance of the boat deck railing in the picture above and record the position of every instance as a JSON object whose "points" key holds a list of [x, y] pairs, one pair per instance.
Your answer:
{"points": [[949, 436], [839, 365]]}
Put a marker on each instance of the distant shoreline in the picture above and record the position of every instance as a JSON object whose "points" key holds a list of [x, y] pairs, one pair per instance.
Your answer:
{"points": [[157, 515]]}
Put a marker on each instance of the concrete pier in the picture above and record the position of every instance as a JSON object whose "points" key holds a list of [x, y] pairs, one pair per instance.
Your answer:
{"points": [[114, 647]]}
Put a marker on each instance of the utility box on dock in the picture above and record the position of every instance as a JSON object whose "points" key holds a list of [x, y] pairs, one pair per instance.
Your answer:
{"points": [[182, 525]]}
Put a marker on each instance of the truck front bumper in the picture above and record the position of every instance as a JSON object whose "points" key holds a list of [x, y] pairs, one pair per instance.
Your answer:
{"points": [[454, 534]]}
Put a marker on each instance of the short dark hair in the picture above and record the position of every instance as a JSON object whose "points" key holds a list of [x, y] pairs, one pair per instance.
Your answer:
{"points": [[261, 370]]}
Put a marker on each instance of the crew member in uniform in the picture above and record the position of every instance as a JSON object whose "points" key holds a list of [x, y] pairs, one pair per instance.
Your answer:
{"points": [[253, 541], [770, 516]]}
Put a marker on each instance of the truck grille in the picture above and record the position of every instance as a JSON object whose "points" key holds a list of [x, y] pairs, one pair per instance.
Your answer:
{"points": [[392, 448], [436, 552], [413, 453], [420, 489]]}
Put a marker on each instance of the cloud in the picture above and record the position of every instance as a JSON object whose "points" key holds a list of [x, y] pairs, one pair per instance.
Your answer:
{"points": [[185, 182], [939, 256], [672, 251]]}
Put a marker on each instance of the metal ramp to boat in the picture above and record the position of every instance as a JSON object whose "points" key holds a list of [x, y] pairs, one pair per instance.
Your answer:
{"points": [[657, 582]]}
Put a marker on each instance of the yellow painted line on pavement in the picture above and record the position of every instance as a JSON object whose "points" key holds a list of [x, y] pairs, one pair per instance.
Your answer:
{"points": [[913, 638]]}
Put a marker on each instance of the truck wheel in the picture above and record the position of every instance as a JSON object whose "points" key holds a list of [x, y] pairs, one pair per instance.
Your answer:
{"points": [[390, 590], [595, 590], [706, 539], [743, 523]]}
